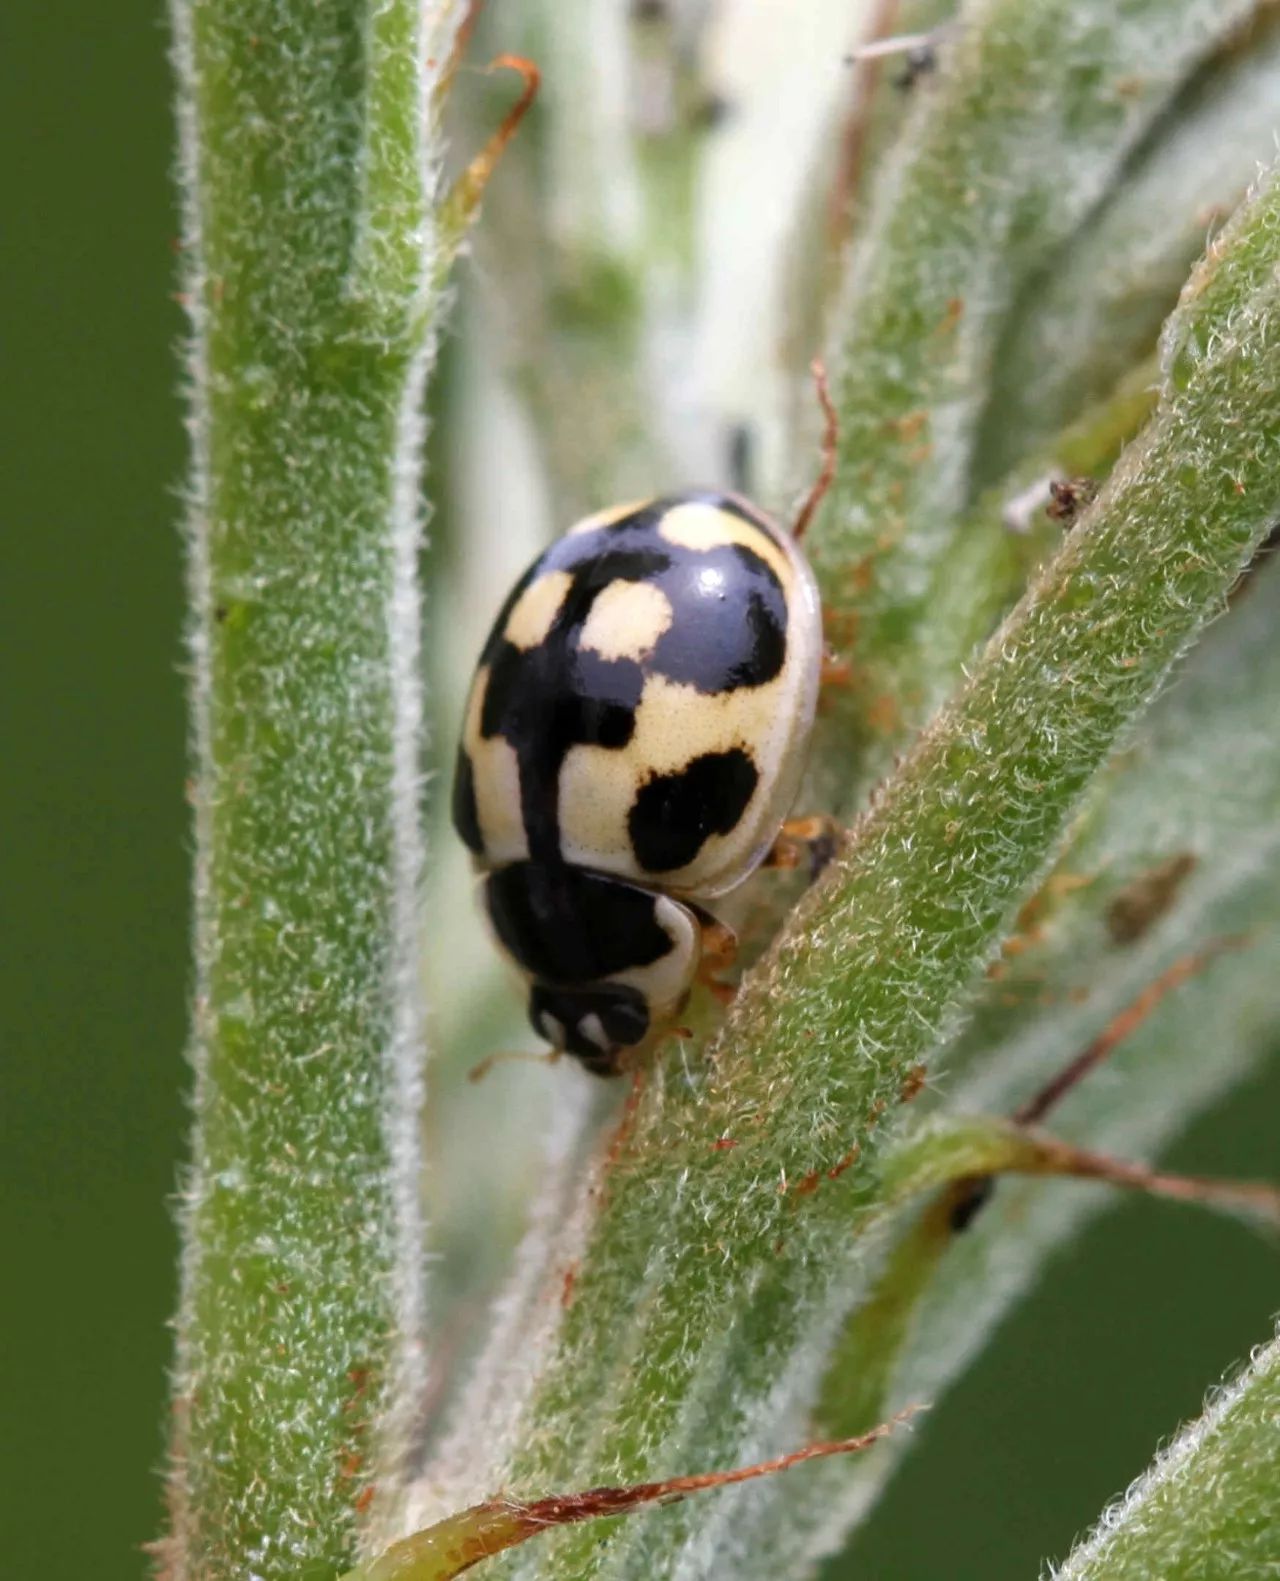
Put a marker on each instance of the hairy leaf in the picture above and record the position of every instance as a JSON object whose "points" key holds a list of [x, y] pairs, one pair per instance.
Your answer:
{"points": [[460, 1541], [1210, 1505], [1083, 324], [1195, 798], [723, 1250], [1034, 112], [309, 164]]}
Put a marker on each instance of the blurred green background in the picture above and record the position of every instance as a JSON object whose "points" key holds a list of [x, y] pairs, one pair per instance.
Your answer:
{"points": [[1118, 1345]]}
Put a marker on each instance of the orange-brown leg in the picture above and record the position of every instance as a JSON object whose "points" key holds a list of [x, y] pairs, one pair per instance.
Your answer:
{"points": [[805, 841], [835, 671], [719, 951], [830, 438], [481, 1069]]}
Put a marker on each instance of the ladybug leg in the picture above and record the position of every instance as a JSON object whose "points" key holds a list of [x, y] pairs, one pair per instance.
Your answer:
{"points": [[481, 1068], [719, 945], [830, 438], [835, 671], [812, 841], [719, 951]]}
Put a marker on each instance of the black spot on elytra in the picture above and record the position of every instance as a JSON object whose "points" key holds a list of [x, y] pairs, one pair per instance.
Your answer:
{"points": [[466, 817], [728, 630], [567, 925], [730, 625], [674, 814], [621, 1010]]}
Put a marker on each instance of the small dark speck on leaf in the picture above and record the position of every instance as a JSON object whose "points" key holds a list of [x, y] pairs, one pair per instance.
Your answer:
{"points": [[919, 63], [1068, 497], [912, 1083], [711, 110], [969, 1197], [1141, 903]]}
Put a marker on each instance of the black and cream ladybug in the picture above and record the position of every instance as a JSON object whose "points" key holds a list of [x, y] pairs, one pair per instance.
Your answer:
{"points": [[634, 737]]}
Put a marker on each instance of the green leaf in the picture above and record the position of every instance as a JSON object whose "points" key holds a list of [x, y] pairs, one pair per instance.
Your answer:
{"points": [[571, 321], [1209, 1506], [1082, 324], [460, 1541], [724, 1249], [309, 166], [1201, 781], [1032, 118], [735, 1242]]}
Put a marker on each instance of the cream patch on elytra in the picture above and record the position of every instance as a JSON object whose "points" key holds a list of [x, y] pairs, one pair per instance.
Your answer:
{"points": [[606, 518], [626, 620], [702, 526], [535, 610], [496, 776], [675, 724]]}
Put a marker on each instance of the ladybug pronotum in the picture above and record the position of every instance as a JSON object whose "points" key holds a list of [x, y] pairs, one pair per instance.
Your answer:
{"points": [[634, 737]]}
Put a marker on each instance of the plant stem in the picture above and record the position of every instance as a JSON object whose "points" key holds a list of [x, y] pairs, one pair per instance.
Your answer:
{"points": [[1209, 1506], [309, 166], [704, 1304], [1034, 111]]}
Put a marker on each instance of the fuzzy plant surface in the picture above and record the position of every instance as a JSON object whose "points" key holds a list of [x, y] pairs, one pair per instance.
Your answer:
{"points": [[1223, 1467], [311, 158], [677, 1329]]}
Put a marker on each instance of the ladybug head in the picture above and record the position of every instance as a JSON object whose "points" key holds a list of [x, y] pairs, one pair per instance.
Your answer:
{"points": [[596, 1024]]}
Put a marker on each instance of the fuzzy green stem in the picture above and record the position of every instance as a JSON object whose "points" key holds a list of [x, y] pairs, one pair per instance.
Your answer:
{"points": [[1081, 325], [1034, 112], [989, 564], [1210, 1505], [728, 1219], [309, 166], [1201, 781]]}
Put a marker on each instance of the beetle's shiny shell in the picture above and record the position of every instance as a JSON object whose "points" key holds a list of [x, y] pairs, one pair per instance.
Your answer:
{"points": [[644, 700], [608, 963]]}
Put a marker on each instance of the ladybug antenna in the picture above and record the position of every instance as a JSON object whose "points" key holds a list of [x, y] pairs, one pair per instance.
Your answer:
{"points": [[479, 1071], [464, 196], [830, 434]]}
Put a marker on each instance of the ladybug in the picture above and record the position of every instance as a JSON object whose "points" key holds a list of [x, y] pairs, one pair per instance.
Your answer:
{"points": [[634, 737]]}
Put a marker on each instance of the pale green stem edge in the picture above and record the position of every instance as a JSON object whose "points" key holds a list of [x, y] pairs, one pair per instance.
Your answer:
{"points": [[821, 1040], [1034, 112], [309, 162], [1210, 1504]]}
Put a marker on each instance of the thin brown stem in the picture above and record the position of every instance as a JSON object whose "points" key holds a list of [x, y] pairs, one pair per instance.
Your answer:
{"points": [[1117, 1030], [830, 435]]}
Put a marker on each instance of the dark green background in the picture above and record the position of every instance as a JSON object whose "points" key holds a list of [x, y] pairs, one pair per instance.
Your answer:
{"points": [[1119, 1345]]}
